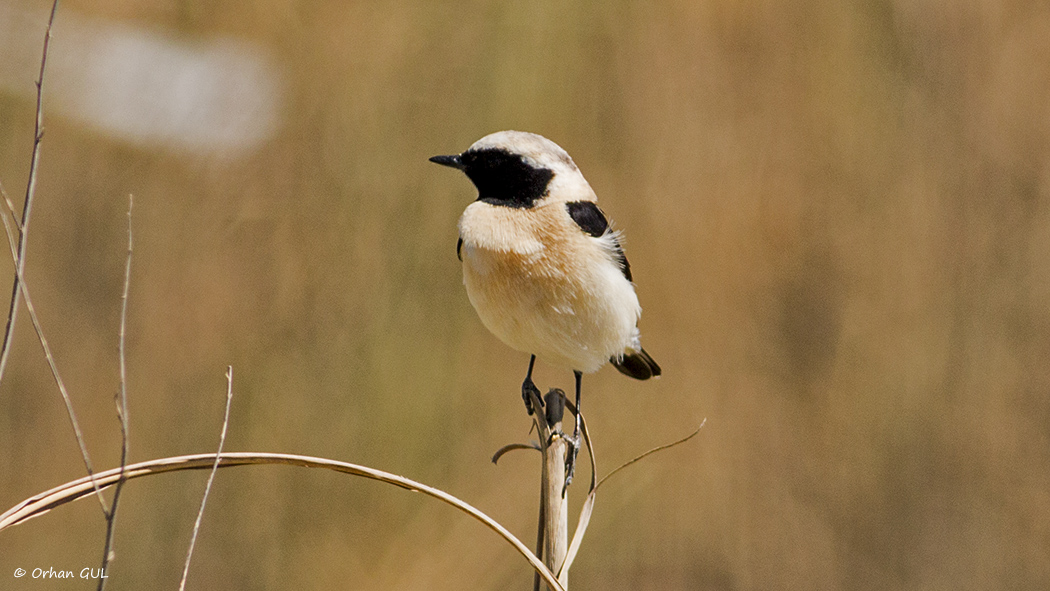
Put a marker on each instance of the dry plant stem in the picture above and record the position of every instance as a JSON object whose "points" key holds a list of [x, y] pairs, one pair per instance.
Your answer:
{"points": [[19, 289], [552, 529], [54, 373], [539, 423], [10, 210], [122, 412], [61, 388], [554, 498], [27, 207], [556, 505], [11, 240], [211, 477], [588, 503], [541, 527], [71, 491], [652, 451]]}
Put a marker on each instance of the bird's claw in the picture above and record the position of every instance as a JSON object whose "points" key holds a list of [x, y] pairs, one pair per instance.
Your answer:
{"points": [[528, 390], [570, 460]]}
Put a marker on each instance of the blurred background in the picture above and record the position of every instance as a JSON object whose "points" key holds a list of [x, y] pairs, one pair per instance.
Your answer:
{"points": [[837, 215]]}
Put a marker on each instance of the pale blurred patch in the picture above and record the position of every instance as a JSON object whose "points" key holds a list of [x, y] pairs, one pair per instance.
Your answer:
{"points": [[140, 84]]}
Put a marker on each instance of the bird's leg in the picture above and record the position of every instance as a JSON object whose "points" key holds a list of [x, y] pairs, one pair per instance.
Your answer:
{"points": [[528, 388], [574, 443]]}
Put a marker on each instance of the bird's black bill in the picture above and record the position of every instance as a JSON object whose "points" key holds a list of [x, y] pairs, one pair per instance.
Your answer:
{"points": [[452, 161]]}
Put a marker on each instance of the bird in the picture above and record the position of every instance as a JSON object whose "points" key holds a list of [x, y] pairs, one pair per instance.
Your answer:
{"points": [[543, 267]]}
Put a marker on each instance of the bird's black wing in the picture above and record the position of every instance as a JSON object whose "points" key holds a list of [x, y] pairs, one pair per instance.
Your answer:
{"points": [[590, 219]]}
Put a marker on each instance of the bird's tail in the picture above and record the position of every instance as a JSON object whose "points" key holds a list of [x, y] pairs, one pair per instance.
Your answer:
{"points": [[637, 364]]}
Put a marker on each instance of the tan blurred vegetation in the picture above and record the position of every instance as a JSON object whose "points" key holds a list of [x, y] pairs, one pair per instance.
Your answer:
{"points": [[838, 216]]}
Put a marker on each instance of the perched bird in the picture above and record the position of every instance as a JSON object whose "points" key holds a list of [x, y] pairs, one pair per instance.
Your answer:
{"points": [[542, 266]]}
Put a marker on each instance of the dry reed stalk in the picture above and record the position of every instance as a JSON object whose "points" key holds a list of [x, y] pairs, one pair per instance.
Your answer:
{"points": [[43, 502]]}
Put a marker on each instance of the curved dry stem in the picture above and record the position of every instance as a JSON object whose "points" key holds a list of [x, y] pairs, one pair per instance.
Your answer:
{"points": [[42, 503], [652, 451], [588, 503], [511, 447]]}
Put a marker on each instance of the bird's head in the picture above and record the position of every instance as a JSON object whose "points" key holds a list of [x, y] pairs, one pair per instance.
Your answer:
{"points": [[518, 169]]}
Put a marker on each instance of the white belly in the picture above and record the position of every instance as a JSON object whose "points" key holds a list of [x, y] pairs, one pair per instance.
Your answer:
{"points": [[567, 303]]}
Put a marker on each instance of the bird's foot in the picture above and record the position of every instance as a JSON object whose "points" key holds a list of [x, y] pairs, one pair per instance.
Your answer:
{"points": [[570, 459], [528, 390]]}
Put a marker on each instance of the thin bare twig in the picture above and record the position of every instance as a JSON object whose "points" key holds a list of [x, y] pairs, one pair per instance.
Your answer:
{"points": [[211, 477], [62, 390], [71, 491], [541, 520], [24, 287], [19, 289], [23, 236], [122, 412], [541, 534], [588, 504], [652, 451], [9, 208], [12, 241], [513, 446]]}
